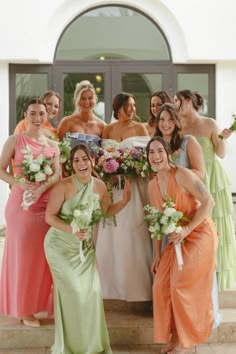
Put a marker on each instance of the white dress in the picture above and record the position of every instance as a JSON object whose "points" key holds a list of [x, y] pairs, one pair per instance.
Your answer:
{"points": [[124, 252]]}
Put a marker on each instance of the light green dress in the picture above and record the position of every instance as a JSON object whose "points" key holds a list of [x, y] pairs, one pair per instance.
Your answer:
{"points": [[80, 326], [217, 182]]}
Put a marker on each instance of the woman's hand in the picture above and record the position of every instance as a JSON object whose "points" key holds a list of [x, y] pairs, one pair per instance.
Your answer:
{"points": [[33, 192], [225, 134], [155, 264], [82, 234], [176, 237]]}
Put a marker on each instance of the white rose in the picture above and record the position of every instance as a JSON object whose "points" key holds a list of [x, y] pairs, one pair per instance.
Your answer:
{"points": [[48, 170], [40, 176], [169, 211], [34, 167]]}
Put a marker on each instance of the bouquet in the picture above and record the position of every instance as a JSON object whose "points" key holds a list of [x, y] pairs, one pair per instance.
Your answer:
{"points": [[34, 170], [65, 149], [232, 127], [112, 165], [165, 222], [83, 217]]}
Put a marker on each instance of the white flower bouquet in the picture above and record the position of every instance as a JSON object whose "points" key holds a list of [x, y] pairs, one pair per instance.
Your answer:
{"points": [[163, 222], [34, 170], [84, 216]]}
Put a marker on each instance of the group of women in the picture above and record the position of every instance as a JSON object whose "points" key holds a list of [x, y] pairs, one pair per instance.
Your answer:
{"points": [[42, 250]]}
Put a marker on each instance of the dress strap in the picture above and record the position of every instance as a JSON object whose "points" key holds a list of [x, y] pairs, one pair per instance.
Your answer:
{"points": [[80, 185], [185, 142]]}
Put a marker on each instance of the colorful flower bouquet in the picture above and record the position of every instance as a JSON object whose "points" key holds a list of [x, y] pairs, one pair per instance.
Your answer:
{"points": [[232, 127], [34, 170], [163, 222], [113, 166]]}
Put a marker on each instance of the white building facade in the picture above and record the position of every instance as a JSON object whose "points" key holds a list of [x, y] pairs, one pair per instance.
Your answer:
{"points": [[196, 33]]}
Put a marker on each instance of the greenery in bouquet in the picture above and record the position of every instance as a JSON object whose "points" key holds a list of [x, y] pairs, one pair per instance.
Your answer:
{"points": [[162, 222], [232, 127], [112, 166], [85, 215], [35, 169], [65, 149]]}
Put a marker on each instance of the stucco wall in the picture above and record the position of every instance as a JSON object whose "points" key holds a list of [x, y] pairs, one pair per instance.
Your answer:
{"points": [[198, 31]]}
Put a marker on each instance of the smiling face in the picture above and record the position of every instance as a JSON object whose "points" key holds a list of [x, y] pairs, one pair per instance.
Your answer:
{"points": [[156, 103], [129, 109], [36, 115], [166, 124], [87, 101], [158, 156], [53, 106], [82, 165]]}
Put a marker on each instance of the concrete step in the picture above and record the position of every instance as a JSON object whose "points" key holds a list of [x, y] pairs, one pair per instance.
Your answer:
{"points": [[124, 329]]}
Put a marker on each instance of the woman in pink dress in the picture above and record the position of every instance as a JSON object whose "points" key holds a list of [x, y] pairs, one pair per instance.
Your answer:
{"points": [[25, 282]]}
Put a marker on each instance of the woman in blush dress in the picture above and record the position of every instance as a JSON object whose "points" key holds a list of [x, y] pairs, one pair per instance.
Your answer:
{"points": [[178, 302], [157, 99], [124, 252], [80, 325], [83, 125], [207, 133], [26, 281]]}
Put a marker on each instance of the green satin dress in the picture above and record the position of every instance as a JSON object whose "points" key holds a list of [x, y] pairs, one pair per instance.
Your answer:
{"points": [[80, 326], [217, 183]]}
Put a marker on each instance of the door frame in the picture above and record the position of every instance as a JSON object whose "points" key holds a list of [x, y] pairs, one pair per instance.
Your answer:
{"points": [[112, 71]]}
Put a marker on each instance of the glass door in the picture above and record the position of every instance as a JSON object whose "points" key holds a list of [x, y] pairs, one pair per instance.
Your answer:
{"points": [[66, 77], [110, 79]]}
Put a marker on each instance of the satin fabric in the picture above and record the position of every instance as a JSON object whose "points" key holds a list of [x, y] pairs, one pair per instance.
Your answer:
{"points": [[183, 160], [26, 281], [218, 184], [186, 294], [124, 250], [80, 326]]}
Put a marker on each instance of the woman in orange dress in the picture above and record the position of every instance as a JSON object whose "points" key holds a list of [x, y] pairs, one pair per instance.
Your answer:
{"points": [[182, 299], [25, 283]]}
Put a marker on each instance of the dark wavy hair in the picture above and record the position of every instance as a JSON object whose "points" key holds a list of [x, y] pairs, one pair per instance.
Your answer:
{"points": [[121, 100], [194, 96], [86, 149], [177, 136], [33, 101], [164, 97]]}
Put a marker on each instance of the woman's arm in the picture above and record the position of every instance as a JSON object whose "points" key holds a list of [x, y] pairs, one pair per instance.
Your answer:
{"points": [[113, 209], [56, 199], [195, 157], [189, 181], [7, 155], [219, 144]]}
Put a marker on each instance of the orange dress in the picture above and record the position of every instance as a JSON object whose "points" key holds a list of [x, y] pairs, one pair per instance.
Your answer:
{"points": [[187, 294], [25, 282]]}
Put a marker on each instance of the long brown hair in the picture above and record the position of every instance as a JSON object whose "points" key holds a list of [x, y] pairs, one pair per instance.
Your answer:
{"points": [[177, 136]]}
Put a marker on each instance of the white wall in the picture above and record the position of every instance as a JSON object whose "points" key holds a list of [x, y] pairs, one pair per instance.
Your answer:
{"points": [[198, 31]]}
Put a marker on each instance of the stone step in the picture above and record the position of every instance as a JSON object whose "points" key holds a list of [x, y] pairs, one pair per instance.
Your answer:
{"points": [[124, 329]]}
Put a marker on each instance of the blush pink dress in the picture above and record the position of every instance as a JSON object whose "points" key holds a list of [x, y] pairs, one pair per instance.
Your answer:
{"points": [[25, 282]]}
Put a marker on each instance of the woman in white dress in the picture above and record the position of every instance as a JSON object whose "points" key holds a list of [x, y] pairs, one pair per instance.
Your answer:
{"points": [[124, 252]]}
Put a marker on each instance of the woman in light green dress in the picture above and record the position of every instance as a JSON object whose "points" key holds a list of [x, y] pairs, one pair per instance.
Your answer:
{"points": [[80, 326], [207, 133]]}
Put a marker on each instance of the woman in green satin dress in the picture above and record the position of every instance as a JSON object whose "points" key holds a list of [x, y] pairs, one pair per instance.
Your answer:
{"points": [[189, 104], [80, 326]]}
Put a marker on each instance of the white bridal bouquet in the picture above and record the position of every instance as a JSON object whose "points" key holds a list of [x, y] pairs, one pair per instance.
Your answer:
{"points": [[84, 216], [165, 222], [34, 170]]}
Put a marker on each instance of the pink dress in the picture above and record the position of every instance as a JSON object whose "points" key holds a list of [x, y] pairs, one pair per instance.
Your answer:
{"points": [[25, 281]]}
